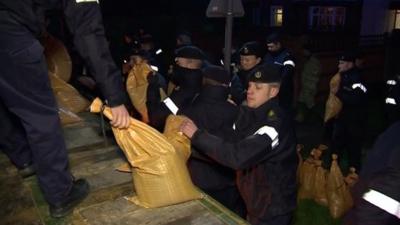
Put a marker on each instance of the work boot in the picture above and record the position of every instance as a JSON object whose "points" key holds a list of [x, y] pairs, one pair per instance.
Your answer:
{"points": [[26, 171], [79, 191]]}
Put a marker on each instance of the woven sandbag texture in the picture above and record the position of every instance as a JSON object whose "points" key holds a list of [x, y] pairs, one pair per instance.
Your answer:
{"points": [[333, 105], [57, 58], [160, 175], [136, 86], [67, 96]]}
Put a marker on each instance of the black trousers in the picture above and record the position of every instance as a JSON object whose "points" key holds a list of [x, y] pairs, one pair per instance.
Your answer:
{"points": [[26, 94], [347, 136]]}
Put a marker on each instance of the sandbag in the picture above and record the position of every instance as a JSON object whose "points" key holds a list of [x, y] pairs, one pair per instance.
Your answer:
{"points": [[171, 131], [67, 96], [352, 178], [339, 197], [333, 105], [68, 117], [159, 172], [307, 179], [57, 58], [136, 86], [320, 195]]}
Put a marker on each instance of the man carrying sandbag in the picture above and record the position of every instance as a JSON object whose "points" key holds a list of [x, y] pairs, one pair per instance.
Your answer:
{"points": [[186, 82], [264, 150], [211, 111], [348, 126], [26, 93]]}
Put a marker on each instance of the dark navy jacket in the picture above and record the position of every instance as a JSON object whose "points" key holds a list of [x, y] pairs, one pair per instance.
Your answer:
{"points": [[85, 22], [212, 112], [286, 60], [264, 153]]}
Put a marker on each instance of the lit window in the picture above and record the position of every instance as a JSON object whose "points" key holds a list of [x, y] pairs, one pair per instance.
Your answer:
{"points": [[397, 19], [326, 18], [276, 16]]}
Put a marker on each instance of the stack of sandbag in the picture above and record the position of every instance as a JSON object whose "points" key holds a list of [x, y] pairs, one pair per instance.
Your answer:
{"points": [[339, 196], [59, 66], [57, 58], [159, 171], [327, 188], [333, 105]]}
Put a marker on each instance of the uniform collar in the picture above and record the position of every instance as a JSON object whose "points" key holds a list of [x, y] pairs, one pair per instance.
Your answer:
{"points": [[262, 111]]}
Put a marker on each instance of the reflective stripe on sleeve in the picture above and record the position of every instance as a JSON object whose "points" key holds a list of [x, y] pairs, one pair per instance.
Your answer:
{"points": [[271, 132], [289, 62], [171, 105], [390, 101], [158, 51], [234, 127], [81, 1], [382, 201], [359, 85], [391, 82], [155, 68]]}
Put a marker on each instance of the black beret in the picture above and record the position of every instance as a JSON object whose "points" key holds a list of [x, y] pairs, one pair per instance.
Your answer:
{"points": [[217, 73], [274, 38], [146, 38], [251, 48], [348, 56], [266, 73], [142, 53], [189, 52]]}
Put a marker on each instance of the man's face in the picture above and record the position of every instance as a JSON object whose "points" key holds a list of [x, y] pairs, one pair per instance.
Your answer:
{"points": [[344, 66], [274, 46], [247, 62], [260, 93], [182, 62]]}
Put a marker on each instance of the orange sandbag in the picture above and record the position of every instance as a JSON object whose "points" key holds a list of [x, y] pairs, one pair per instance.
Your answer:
{"points": [[307, 179], [68, 117], [136, 86], [159, 171], [171, 131], [339, 196], [67, 96], [320, 184], [57, 58], [351, 178], [333, 105]]}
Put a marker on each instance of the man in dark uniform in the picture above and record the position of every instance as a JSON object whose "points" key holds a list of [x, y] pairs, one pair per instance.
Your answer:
{"points": [[250, 57], [279, 55], [263, 150], [348, 126], [376, 194], [211, 111], [26, 93], [392, 99], [186, 80]]}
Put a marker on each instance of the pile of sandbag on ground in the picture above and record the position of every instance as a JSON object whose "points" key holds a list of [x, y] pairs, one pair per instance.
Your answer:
{"points": [[326, 187]]}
